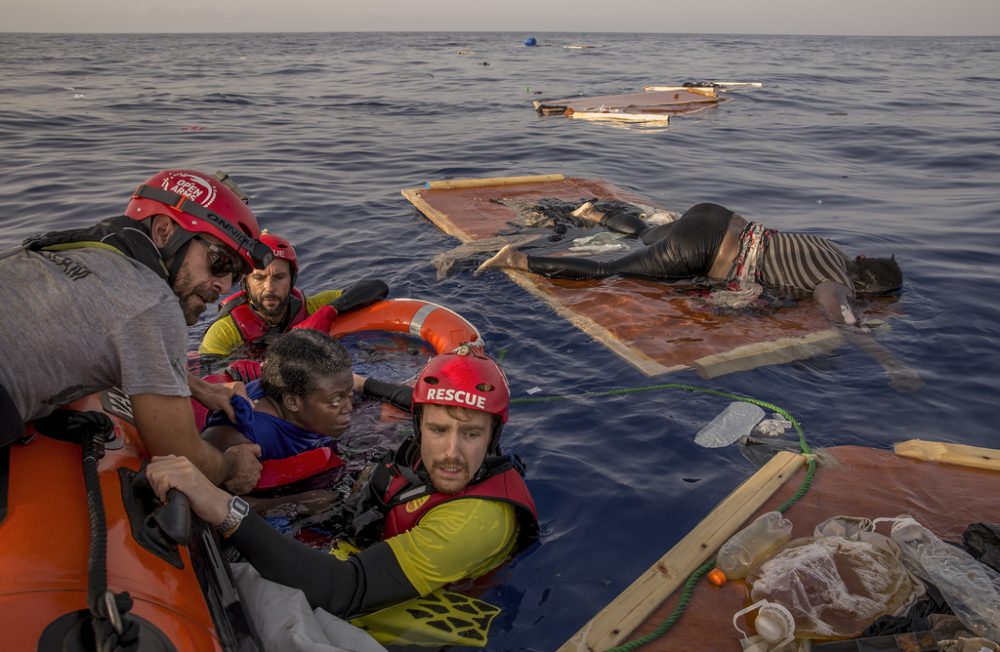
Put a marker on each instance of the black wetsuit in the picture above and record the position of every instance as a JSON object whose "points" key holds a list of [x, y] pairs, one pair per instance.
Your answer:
{"points": [[684, 248], [792, 265]]}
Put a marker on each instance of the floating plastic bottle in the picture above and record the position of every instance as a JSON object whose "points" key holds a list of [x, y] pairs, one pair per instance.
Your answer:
{"points": [[971, 588], [753, 544]]}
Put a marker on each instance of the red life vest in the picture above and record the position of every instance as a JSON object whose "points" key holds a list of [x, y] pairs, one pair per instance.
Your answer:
{"points": [[241, 370], [252, 326], [507, 486], [289, 470]]}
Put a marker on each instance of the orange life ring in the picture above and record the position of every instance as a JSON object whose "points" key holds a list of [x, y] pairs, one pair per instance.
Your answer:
{"points": [[442, 328], [45, 537]]}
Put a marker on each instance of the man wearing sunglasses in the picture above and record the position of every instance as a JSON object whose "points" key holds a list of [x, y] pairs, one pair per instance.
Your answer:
{"points": [[109, 306]]}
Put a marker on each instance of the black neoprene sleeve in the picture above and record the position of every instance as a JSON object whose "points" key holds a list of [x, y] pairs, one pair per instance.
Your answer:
{"points": [[367, 581], [361, 294], [399, 395]]}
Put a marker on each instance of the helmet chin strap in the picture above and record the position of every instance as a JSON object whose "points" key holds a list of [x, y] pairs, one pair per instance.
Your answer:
{"points": [[494, 447], [176, 248]]}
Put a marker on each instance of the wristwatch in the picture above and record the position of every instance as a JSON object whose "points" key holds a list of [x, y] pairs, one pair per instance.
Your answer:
{"points": [[238, 509]]}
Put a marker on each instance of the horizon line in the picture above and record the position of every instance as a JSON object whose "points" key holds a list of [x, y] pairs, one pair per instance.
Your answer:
{"points": [[488, 31]]}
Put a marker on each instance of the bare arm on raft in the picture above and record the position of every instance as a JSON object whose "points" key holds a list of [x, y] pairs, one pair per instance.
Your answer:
{"points": [[834, 299]]}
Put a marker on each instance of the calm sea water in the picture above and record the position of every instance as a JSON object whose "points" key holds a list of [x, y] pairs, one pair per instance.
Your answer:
{"points": [[884, 144]]}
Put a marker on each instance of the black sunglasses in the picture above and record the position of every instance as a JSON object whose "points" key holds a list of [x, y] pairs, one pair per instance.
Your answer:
{"points": [[223, 261]]}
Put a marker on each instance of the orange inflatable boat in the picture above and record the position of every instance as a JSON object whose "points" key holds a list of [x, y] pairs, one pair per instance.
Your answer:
{"points": [[53, 575]]}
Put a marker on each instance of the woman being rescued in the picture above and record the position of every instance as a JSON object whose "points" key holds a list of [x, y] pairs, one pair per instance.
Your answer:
{"points": [[302, 404]]}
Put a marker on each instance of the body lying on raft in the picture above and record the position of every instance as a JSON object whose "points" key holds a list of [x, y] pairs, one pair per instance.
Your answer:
{"points": [[740, 258]]}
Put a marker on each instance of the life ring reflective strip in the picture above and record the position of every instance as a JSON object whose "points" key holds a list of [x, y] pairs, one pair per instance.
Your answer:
{"points": [[442, 328]]}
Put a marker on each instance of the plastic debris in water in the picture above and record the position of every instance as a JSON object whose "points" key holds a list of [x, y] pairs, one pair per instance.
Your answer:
{"points": [[736, 421], [776, 426], [599, 243]]}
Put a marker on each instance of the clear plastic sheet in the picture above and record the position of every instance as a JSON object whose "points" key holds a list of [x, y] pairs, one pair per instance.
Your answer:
{"points": [[971, 588], [835, 587]]}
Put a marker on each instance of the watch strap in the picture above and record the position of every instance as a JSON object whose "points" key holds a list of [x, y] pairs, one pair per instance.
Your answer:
{"points": [[238, 509]]}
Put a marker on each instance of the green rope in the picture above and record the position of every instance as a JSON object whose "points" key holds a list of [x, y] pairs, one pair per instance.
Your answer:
{"points": [[674, 616], [693, 579]]}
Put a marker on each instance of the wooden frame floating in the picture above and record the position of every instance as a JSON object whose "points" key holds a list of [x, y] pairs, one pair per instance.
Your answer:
{"points": [[957, 454], [945, 486], [656, 327], [645, 106], [620, 618]]}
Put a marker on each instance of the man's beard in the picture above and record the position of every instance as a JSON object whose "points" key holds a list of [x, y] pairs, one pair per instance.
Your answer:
{"points": [[193, 299], [272, 315]]}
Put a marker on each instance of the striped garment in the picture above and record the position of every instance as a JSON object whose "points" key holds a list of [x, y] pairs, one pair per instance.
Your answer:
{"points": [[795, 263]]}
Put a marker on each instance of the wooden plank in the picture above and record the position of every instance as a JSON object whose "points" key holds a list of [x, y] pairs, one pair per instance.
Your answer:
{"points": [[440, 219], [451, 184], [632, 355], [619, 115], [714, 84], [619, 619], [674, 101], [707, 91], [758, 354], [957, 454]]}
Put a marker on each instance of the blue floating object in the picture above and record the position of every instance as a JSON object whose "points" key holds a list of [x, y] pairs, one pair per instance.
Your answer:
{"points": [[530, 41]]}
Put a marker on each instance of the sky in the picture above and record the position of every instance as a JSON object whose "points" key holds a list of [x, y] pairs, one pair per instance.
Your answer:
{"points": [[825, 17]]}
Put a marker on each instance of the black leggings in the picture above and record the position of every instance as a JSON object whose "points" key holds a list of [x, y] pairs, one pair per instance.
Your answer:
{"points": [[685, 248]]}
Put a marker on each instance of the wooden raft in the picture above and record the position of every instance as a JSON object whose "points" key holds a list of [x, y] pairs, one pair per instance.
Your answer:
{"points": [[646, 106], [656, 328], [944, 486]]}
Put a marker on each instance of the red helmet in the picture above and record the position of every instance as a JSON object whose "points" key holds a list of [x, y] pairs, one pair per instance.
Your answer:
{"points": [[282, 250], [465, 378], [202, 203]]}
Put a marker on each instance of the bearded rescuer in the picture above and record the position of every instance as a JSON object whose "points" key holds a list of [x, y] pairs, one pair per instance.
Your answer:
{"points": [[270, 304], [108, 306]]}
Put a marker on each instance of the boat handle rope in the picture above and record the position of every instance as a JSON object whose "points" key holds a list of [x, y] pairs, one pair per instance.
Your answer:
{"points": [[112, 631]]}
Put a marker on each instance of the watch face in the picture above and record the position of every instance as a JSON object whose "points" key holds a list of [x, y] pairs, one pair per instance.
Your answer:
{"points": [[239, 507]]}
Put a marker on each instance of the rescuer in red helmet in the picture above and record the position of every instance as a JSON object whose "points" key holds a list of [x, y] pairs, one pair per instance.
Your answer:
{"points": [[448, 505], [108, 306], [269, 303]]}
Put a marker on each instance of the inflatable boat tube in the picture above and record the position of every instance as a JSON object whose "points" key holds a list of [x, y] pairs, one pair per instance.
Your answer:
{"points": [[182, 594]]}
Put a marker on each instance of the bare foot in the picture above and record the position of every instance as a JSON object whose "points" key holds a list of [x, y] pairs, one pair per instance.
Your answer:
{"points": [[586, 212], [507, 258]]}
